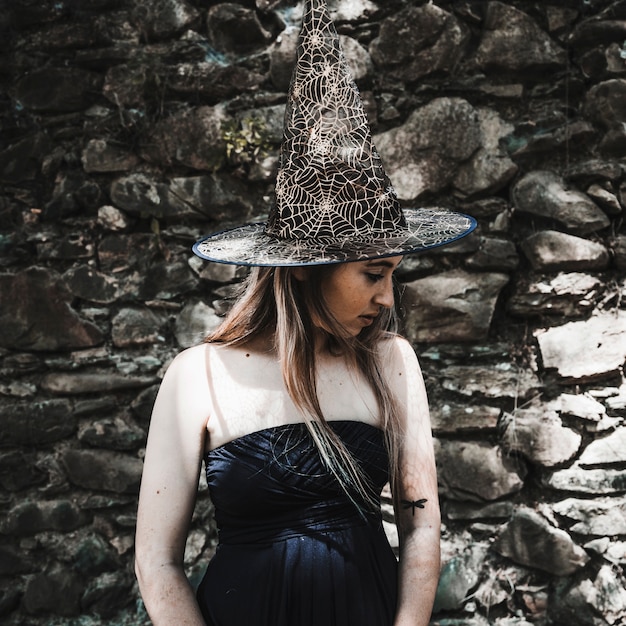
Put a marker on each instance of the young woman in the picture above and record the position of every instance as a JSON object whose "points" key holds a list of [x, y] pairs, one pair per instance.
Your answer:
{"points": [[299, 530], [304, 402]]}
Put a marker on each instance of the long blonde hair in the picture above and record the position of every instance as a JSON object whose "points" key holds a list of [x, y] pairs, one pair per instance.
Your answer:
{"points": [[276, 304]]}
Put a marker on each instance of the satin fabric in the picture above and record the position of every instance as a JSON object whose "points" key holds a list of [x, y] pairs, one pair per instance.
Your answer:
{"points": [[293, 549]]}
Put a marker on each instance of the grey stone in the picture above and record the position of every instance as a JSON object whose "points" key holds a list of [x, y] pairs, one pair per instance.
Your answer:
{"points": [[594, 170], [490, 168], [143, 403], [166, 281], [618, 248], [102, 156], [506, 30], [582, 406], [610, 594], [111, 218], [476, 471], [545, 194], [219, 197], [573, 604], [601, 517], [55, 592], [617, 401], [127, 84], [613, 144], [58, 89], [29, 518], [271, 119], [191, 137], [458, 577], [139, 194], [59, 36], [433, 40], [215, 81], [112, 434], [461, 418], [352, 10], [103, 470], [14, 562], [87, 283], [219, 272], [531, 142], [592, 32], [422, 155], [570, 294], [235, 30], [37, 423], [551, 549], [471, 511], [92, 556], [606, 103], [194, 323], [585, 350], [560, 17], [92, 382], [605, 199], [587, 481], [22, 160], [66, 248], [550, 250], [17, 389], [540, 436], [497, 589], [195, 545], [118, 252], [24, 296], [163, 18], [612, 551], [503, 380], [107, 594], [494, 254], [451, 306], [609, 450], [137, 327], [283, 57], [18, 471]]}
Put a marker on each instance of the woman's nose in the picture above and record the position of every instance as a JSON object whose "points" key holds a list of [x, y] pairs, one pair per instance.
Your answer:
{"points": [[385, 296]]}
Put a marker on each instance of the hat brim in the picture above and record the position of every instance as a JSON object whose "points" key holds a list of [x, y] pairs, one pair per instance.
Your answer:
{"points": [[251, 245]]}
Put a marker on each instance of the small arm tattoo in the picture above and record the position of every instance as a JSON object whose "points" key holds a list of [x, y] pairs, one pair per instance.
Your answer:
{"points": [[413, 504]]}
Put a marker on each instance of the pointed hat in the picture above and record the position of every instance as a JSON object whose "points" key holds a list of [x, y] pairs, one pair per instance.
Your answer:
{"points": [[334, 202]]}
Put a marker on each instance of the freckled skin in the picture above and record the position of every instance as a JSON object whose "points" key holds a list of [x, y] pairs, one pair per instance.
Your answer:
{"points": [[355, 293]]}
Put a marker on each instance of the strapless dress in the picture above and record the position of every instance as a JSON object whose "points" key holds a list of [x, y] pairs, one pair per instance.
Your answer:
{"points": [[293, 549]]}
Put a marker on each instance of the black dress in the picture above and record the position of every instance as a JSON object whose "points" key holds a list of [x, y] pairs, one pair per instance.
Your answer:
{"points": [[293, 549]]}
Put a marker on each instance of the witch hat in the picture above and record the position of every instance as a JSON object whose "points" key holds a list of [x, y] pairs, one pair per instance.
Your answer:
{"points": [[334, 202]]}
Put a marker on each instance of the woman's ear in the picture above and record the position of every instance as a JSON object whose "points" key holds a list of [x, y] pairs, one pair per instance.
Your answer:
{"points": [[300, 273]]}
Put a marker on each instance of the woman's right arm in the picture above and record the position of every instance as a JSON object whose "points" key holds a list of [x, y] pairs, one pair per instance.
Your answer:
{"points": [[168, 490]]}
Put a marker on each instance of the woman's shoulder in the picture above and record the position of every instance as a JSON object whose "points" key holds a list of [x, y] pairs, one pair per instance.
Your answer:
{"points": [[395, 349], [211, 356]]}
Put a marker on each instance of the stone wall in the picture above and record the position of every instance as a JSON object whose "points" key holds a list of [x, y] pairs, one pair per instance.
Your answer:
{"points": [[130, 128]]}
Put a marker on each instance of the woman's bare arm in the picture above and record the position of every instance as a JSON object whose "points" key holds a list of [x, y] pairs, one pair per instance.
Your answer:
{"points": [[168, 490], [416, 498]]}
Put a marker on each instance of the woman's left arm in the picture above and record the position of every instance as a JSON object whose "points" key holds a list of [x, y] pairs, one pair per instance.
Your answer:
{"points": [[416, 499]]}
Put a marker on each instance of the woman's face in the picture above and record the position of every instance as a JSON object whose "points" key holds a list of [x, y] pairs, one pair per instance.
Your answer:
{"points": [[355, 293]]}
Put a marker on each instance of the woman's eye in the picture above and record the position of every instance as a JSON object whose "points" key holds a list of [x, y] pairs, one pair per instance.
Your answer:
{"points": [[375, 277]]}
